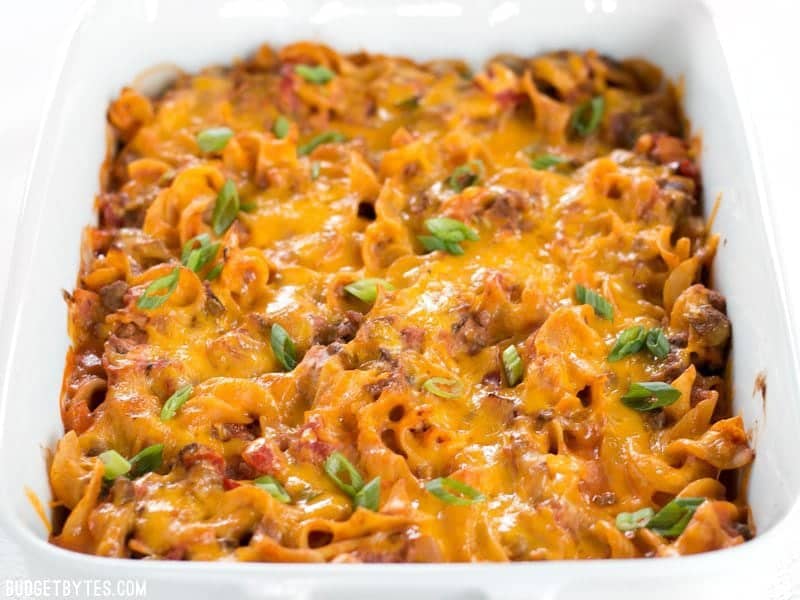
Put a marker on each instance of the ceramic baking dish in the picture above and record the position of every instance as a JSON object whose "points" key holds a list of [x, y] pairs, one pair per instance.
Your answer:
{"points": [[117, 39]]}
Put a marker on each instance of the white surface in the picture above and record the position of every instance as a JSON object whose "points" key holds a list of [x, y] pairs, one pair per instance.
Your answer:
{"points": [[764, 58]]}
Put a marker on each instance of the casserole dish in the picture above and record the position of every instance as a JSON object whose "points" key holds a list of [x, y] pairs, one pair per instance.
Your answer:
{"points": [[643, 29]]}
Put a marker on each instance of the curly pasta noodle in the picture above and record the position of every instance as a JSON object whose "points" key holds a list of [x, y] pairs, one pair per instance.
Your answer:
{"points": [[257, 300]]}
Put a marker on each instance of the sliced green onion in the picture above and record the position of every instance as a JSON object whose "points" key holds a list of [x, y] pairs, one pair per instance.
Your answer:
{"points": [[545, 161], [336, 465], [214, 273], [657, 343], [198, 252], [147, 460], [587, 116], [450, 230], [367, 289], [671, 520], [175, 401], [512, 365], [283, 347], [273, 487], [409, 103], [214, 139], [281, 127], [466, 175], [196, 258], [323, 138], [650, 395], [432, 243], [248, 207], [315, 166], [151, 299], [602, 307], [636, 520], [317, 74], [453, 491], [226, 208], [444, 387], [369, 496], [198, 241], [634, 339], [115, 464], [447, 234], [629, 342]]}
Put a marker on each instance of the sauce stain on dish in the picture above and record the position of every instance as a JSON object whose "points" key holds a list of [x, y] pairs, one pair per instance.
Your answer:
{"points": [[760, 387]]}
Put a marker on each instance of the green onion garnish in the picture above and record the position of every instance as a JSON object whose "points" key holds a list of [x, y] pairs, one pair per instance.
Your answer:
{"points": [[634, 339], [636, 520], [512, 365], [115, 464], [446, 235], [175, 401], [671, 520], [466, 175], [545, 161], [273, 487], [444, 387], [226, 208], [369, 495], [147, 460], [602, 307], [214, 139], [657, 343], [317, 74], [315, 169], [198, 252], [650, 395], [367, 289], [453, 491], [214, 273], [408, 103], [450, 230], [629, 342], [432, 243], [336, 465], [198, 241], [283, 347], [281, 127], [587, 116], [327, 137], [150, 299]]}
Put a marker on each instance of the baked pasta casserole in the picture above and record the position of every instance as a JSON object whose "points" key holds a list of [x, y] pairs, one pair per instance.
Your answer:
{"points": [[356, 308]]}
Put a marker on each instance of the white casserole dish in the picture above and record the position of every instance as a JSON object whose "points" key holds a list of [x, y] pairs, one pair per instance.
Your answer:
{"points": [[116, 39]]}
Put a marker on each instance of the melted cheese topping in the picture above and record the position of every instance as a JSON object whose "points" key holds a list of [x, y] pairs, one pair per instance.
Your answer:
{"points": [[556, 457]]}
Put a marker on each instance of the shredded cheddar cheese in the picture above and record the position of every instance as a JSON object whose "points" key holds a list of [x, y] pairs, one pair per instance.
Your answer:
{"points": [[357, 309]]}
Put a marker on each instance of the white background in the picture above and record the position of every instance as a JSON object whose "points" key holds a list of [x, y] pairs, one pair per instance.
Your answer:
{"points": [[762, 38]]}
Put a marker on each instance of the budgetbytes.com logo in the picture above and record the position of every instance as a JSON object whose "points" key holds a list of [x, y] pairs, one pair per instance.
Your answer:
{"points": [[23, 588]]}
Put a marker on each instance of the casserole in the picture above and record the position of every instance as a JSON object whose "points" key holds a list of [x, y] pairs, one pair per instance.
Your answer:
{"points": [[421, 398], [648, 29]]}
